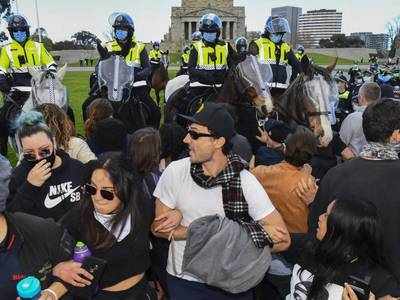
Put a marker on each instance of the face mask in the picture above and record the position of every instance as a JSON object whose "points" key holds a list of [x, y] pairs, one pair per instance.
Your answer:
{"points": [[19, 36], [121, 34], [50, 159], [276, 38], [210, 37]]}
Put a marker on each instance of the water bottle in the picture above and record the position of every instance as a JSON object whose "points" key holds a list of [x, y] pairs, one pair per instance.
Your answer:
{"points": [[29, 288], [81, 251]]}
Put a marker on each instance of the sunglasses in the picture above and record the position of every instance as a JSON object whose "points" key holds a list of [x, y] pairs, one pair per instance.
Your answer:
{"points": [[195, 135], [91, 191], [44, 153]]}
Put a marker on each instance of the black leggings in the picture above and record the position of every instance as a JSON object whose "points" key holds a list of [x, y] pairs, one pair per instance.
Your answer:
{"points": [[140, 291]]}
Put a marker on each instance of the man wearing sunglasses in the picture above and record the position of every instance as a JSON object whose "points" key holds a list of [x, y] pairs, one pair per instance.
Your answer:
{"points": [[213, 180]]}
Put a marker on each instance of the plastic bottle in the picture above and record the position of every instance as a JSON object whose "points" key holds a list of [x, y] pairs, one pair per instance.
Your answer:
{"points": [[81, 251], [29, 288]]}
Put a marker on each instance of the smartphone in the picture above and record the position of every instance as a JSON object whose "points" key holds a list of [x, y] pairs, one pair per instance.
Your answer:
{"points": [[94, 266], [360, 287]]}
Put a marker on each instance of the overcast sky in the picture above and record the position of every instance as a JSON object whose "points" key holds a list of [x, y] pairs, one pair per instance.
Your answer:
{"points": [[62, 18]]}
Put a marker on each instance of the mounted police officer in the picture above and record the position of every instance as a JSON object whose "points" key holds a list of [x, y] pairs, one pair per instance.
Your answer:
{"points": [[210, 58], [184, 61], [241, 46], [300, 52], [22, 52], [125, 45], [273, 50]]}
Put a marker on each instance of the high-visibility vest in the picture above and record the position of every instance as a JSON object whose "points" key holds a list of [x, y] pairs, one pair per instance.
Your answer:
{"points": [[206, 53], [185, 57], [133, 56], [344, 96], [266, 51], [15, 57], [155, 54]]}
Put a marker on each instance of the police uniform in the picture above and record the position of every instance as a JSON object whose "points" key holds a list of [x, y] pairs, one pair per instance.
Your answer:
{"points": [[279, 57], [16, 58]]}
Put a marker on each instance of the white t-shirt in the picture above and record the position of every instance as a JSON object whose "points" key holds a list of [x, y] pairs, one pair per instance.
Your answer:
{"points": [[301, 283], [177, 190]]}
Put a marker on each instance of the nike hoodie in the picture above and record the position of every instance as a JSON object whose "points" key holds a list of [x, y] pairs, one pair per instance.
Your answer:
{"points": [[55, 197]]}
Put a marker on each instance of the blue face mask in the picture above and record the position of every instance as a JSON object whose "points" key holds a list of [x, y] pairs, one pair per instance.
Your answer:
{"points": [[20, 36], [276, 38], [121, 34], [210, 37]]}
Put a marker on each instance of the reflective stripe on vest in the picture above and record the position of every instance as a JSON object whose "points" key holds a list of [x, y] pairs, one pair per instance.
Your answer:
{"points": [[266, 52], [203, 56], [31, 52], [133, 56]]}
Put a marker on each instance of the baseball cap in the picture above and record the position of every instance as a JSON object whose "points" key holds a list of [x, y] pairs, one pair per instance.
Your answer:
{"points": [[216, 118]]}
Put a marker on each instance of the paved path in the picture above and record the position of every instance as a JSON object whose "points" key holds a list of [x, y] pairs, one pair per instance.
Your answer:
{"points": [[176, 68]]}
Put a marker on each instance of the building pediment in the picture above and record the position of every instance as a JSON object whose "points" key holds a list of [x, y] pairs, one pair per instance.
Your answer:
{"points": [[205, 10]]}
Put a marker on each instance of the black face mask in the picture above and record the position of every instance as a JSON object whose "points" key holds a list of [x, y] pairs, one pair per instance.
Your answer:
{"points": [[51, 159]]}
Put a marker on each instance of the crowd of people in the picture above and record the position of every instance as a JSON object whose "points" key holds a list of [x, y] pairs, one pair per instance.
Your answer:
{"points": [[180, 213]]}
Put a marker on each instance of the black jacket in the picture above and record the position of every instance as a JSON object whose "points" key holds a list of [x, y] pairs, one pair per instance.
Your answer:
{"points": [[34, 246], [55, 197]]}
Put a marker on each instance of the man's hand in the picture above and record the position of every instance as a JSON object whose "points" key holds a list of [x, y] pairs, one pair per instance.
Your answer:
{"points": [[72, 273], [39, 173], [167, 221], [306, 190], [266, 139]]}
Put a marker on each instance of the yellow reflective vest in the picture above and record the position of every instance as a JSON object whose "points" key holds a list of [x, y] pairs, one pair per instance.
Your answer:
{"points": [[205, 55], [266, 51], [133, 56], [15, 57], [299, 56], [155, 54], [185, 57], [344, 96]]}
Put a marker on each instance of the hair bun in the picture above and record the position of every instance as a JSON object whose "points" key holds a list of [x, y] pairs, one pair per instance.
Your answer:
{"points": [[29, 118]]}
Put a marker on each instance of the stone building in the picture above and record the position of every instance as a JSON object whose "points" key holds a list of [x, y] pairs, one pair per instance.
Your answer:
{"points": [[185, 21]]}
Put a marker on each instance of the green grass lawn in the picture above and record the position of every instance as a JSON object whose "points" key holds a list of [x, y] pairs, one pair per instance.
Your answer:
{"points": [[322, 59]]}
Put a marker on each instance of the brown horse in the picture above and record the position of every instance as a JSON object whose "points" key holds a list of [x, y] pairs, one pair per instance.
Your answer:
{"points": [[306, 101]]}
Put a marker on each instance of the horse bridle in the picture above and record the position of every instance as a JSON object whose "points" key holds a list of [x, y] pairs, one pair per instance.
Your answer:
{"points": [[51, 92]]}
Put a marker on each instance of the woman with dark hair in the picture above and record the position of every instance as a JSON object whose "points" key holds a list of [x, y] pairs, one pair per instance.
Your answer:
{"points": [[47, 182], [348, 250], [64, 133], [113, 220], [144, 153], [98, 110], [172, 146]]}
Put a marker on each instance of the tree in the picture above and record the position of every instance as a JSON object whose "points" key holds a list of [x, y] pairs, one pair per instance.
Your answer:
{"points": [[342, 41], [65, 45], [393, 29], [43, 32], [85, 39]]}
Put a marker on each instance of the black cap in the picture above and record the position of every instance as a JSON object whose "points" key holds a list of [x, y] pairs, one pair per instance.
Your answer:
{"points": [[216, 118]]}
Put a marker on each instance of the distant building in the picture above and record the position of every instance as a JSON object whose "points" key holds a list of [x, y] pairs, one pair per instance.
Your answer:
{"points": [[378, 41], [318, 24], [185, 21], [291, 14]]}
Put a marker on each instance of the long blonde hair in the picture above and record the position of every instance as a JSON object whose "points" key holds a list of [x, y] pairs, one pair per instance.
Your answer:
{"points": [[59, 123]]}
